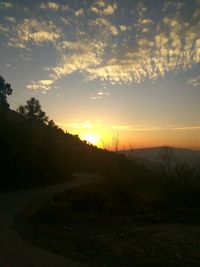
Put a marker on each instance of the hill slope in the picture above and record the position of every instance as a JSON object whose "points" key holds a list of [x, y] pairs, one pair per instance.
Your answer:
{"points": [[34, 152]]}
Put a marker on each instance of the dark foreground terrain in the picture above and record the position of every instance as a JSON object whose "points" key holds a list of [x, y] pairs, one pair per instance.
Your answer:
{"points": [[16, 251], [89, 229]]}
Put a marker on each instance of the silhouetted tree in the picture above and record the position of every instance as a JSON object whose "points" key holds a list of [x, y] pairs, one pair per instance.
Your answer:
{"points": [[104, 145], [5, 90], [167, 160], [52, 124], [115, 141], [32, 110]]}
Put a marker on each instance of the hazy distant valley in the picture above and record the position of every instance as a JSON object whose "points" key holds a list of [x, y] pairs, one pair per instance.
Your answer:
{"points": [[151, 155]]}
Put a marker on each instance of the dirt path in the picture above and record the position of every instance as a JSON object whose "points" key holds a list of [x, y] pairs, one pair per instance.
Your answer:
{"points": [[16, 252]]}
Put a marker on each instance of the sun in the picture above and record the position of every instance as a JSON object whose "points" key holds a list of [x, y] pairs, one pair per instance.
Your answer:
{"points": [[91, 138]]}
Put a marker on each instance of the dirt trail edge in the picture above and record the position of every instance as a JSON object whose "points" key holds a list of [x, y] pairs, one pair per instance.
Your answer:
{"points": [[16, 252]]}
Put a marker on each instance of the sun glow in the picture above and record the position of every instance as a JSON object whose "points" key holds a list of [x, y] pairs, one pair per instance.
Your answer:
{"points": [[91, 138]]}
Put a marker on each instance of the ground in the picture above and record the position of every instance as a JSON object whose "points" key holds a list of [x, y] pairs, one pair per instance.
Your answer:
{"points": [[69, 227], [14, 250]]}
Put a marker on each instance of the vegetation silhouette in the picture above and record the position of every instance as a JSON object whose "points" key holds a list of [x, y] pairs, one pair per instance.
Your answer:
{"points": [[34, 151], [5, 90], [33, 112]]}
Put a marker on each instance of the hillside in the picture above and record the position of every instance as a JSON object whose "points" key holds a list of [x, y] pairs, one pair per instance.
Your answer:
{"points": [[35, 152]]}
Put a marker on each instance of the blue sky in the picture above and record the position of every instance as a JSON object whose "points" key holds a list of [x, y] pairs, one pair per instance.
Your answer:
{"points": [[108, 67]]}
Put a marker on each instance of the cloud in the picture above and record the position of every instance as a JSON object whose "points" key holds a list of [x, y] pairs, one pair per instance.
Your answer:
{"points": [[113, 72], [79, 12], [187, 128], [100, 47], [101, 7], [173, 6], [146, 21], [140, 128], [82, 55], [100, 93], [73, 63], [35, 32], [53, 6], [95, 97], [64, 20], [110, 9], [6, 5], [135, 128], [196, 13], [101, 4], [10, 19], [174, 47], [94, 9], [41, 85], [194, 81], [104, 25], [3, 29], [123, 28]]}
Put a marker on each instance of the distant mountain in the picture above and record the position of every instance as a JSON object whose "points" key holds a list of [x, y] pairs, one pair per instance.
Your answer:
{"points": [[151, 155]]}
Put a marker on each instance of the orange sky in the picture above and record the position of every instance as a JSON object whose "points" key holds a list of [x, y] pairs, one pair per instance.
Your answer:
{"points": [[135, 137]]}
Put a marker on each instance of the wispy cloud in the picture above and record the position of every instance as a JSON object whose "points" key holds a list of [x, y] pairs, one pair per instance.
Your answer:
{"points": [[95, 97], [187, 128], [123, 28], [135, 128], [10, 19], [94, 9], [53, 6], [35, 32], [194, 81], [79, 12], [173, 46], [41, 85], [3, 29], [170, 5], [140, 128], [50, 5], [101, 7], [104, 25], [83, 54], [5, 5], [110, 9], [99, 95]]}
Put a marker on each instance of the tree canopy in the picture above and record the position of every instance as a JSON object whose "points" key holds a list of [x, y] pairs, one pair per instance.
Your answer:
{"points": [[32, 110], [5, 90]]}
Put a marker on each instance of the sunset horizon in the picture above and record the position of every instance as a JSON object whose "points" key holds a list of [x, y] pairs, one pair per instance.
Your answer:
{"points": [[105, 68]]}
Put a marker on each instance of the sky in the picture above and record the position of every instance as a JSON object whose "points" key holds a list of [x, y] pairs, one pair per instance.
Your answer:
{"points": [[107, 69]]}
